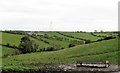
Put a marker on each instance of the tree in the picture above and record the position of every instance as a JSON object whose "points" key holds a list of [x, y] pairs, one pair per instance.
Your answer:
{"points": [[50, 48], [35, 47], [87, 41], [27, 46]]}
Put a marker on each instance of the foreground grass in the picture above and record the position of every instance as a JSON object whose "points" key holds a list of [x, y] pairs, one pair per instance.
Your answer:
{"points": [[105, 50], [16, 68]]}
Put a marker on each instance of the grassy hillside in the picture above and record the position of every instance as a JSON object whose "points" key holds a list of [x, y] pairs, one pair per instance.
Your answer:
{"points": [[8, 51], [105, 34], [41, 43], [52, 42], [53, 34], [14, 39], [102, 34], [87, 35], [11, 39], [105, 50]]}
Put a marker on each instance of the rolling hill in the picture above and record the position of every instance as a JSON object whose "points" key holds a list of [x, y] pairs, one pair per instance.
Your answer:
{"points": [[14, 39], [99, 51], [81, 35]]}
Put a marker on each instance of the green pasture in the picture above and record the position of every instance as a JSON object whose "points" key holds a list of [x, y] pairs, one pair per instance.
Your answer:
{"points": [[105, 50], [83, 35]]}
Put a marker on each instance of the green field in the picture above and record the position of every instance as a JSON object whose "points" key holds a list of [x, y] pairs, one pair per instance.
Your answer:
{"points": [[63, 44], [41, 43], [83, 35], [98, 51], [105, 50], [102, 34], [14, 39], [53, 34], [105, 34], [8, 51]]}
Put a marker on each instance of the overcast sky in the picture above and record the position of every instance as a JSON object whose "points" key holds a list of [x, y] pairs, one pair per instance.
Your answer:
{"points": [[59, 15]]}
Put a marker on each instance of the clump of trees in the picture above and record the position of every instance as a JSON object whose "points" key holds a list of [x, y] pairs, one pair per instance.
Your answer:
{"points": [[87, 41], [75, 42], [71, 45], [26, 45], [53, 47], [49, 49]]}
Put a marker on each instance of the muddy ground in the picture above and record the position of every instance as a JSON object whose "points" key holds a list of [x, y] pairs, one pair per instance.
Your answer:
{"points": [[69, 68], [72, 67]]}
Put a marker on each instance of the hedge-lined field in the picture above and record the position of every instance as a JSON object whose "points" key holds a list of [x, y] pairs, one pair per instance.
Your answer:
{"points": [[82, 35], [53, 34], [14, 39], [53, 42], [5, 51], [99, 51], [102, 34]]}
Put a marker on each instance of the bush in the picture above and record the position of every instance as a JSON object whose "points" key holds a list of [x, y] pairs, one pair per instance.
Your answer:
{"points": [[46, 42], [35, 47], [71, 45], [14, 46], [57, 46], [8, 45], [107, 38], [50, 48], [46, 36], [43, 49], [87, 41]]}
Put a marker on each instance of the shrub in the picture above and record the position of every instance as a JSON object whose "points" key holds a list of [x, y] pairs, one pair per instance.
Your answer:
{"points": [[46, 36], [43, 49], [87, 41], [14, 46], [8, 45], [46, 41], [57, 47], [71, 45], [50, 48], [107, 38]]}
